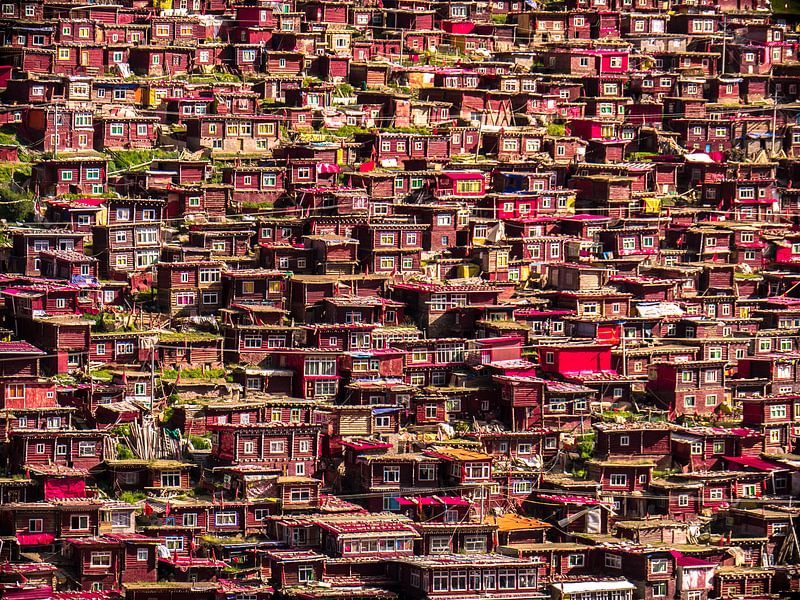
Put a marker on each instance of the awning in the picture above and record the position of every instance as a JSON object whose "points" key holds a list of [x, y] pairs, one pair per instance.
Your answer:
{"points": [[35, 539]]}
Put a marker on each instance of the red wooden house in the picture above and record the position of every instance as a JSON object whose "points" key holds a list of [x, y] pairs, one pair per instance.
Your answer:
{"points": [[71, 175]]}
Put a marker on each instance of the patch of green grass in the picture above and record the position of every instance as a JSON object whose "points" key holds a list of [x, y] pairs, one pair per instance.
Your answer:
{"points": [[8, 138], [418, 130], [102, 375], [501, 19], [641, 156], [192, 373], [557, 129], [613, 414], [344, 132], [200, 442], [124, 160], [16, 204], [132, 497]]}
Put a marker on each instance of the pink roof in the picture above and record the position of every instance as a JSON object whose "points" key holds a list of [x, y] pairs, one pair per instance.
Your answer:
{"points": [[359, 445], [19, 348], [690, 561], [584, 217], [434, 500], [754, 463], [562, 499], [90, 201], [499, 340], [188, 561], [464, 175]]}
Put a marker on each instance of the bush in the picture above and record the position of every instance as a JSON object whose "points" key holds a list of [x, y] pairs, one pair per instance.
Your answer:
{"points": [[200, 443], [556, 129], [124, 453], [120, 430], [585, 445], [166, 415], [132, 497]]}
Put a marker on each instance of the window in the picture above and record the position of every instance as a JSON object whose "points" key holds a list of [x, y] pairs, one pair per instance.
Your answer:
{"points": [[87, 448], [142, 554], [276, 447], [489, 580], [427, 472], [305, 573], [576, 560], [659, 589], [618, 480], [613, 561], [35, 525], [226, 519], [190, 519], [440, 544], [749, 490], [683, 500], [458, 580], [171, 479], [185, 299], [590, 308], [476, 471], [325, 388], [522, 487], [777, 411], [79, 522], [147, 235], [100, 559], [210, 275], [440, 582], [506, 579], [174, 543], [391, 474], [658, 566], [715, 494]]}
